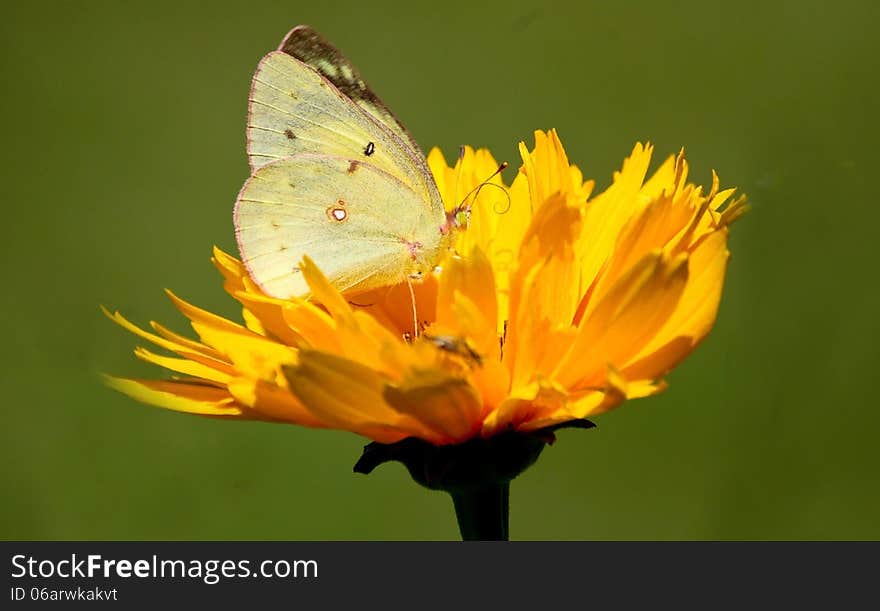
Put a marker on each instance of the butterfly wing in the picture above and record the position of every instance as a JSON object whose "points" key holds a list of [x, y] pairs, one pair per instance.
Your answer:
{"points": [[312, 49], [318, 136], [295, 110], [336, 211]]}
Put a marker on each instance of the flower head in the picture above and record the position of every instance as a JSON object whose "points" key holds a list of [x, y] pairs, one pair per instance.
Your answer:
{"points": [[554, 305]]}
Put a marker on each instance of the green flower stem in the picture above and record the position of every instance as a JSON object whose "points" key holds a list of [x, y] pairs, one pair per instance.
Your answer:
{"points": [[483, 512]]}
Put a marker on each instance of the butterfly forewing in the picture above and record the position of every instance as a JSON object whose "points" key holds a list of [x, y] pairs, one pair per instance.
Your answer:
{"points": [[295, 110], [309, 47]]}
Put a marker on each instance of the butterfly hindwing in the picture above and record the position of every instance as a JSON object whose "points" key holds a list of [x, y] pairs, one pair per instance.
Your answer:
{"points": [[335, 210]]}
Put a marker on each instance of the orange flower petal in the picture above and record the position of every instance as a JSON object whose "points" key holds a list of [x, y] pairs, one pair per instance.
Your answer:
{"points": [[180, 396], [350, 396], [444, 403], [624, 321]]}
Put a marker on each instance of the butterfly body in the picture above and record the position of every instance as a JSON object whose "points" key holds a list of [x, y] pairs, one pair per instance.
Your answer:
{"points": [[334, 177]]}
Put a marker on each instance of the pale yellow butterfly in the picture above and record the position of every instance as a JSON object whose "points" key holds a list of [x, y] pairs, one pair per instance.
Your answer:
{"points": [[335, 176]]}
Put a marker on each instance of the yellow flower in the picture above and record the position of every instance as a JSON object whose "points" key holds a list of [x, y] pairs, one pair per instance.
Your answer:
{"points": [[555, 305]]}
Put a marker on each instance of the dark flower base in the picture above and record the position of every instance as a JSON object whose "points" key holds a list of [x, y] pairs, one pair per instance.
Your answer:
{"points": [[476, 473]]}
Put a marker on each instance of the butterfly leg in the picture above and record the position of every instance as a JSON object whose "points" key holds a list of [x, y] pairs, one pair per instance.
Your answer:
{"points": [[412, 296]]}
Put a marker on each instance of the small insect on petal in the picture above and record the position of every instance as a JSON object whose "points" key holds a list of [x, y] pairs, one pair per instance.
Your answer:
{"points": [[369, 149], [455, 345]]}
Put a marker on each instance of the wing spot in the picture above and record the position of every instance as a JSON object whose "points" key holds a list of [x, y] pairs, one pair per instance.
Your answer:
{"points": [[289, 133], [276, 225], [282, 248], [369, 149], [353, 166], [291, 185], [338, 213]]}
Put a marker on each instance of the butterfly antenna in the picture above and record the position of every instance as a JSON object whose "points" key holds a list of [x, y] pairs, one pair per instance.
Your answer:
{"points": [[497, 186], [488, 181], [465, 207], [412, 296]]}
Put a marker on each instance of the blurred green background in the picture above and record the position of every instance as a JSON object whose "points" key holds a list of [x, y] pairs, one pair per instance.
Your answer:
{"points": [[123, 149]]}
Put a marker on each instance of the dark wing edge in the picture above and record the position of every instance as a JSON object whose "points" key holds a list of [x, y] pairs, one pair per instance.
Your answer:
{"points": [[305, 44]]}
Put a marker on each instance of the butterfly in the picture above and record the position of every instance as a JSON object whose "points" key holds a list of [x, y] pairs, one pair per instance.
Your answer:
{"points": [[334, 176]]}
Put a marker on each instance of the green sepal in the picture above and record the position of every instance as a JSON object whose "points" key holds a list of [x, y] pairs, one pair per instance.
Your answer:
{"points": [[476, 473]]}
